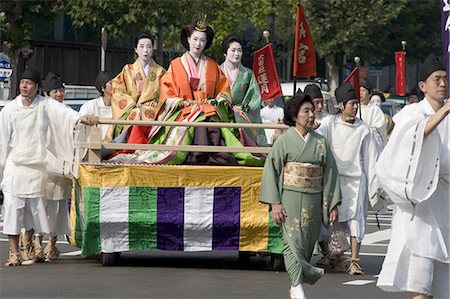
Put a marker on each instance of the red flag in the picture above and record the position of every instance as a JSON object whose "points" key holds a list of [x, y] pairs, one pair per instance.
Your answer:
{"points": [[400, 70], [353, 79], [266, 73], [304, 52]]}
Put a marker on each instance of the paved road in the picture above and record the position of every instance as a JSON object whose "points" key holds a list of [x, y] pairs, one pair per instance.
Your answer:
{"points": [[160, 274]]}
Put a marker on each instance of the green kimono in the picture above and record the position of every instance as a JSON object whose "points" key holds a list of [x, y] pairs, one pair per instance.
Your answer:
{"points": [[245, 94], [306, 207]]}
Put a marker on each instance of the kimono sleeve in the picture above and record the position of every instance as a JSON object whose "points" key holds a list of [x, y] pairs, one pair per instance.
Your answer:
{"points": [[223, 91], [331, 186], [5, 134], [271, 183], [370, 152], [252, 98]]}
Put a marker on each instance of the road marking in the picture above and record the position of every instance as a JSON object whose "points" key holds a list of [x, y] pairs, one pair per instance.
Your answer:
{"points": [[72, 253], [378, 236], [358, 282]]}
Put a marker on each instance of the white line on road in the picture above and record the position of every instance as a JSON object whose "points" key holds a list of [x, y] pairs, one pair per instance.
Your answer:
{"points": [[358, 282], [72, 253]]}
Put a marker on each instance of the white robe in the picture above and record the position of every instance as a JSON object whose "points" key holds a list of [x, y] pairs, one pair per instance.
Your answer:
{"points": [[271, 115], [355, 152], [374, 117], [415, 172], [97, 107], [39, 140]]}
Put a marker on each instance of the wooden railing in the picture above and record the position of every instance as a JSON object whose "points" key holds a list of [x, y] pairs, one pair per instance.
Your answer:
{"points": [[94, 143]]}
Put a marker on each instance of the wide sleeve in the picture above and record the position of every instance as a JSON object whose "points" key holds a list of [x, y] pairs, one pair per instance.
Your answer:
{"points": [[408, 168], [331, 186], [252, 98], [379, 123], [5, 135], [272, 178], [369, 157], [126, 91], [223, 91]]}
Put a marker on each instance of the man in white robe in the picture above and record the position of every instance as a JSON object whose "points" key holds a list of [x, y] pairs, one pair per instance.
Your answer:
{"points": [[27, 154], [372, 114], [58, 187], [355, 151], [101, 106], [414, 169]]}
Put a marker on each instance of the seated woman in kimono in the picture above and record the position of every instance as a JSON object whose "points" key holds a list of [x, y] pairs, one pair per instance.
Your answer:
{"points": [[300, 182], [246, 99], [194, 89], [136, 91]]}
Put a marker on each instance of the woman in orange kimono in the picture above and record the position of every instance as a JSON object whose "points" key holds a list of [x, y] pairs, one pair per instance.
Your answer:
{"points": [[194, 89], [136, 90]]}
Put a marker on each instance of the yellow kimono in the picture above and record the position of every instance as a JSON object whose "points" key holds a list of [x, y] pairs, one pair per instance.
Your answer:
{"points": [[135, 96]]}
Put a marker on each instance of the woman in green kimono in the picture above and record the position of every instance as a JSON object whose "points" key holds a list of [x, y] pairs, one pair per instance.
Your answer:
{"points": [[300, 182], [246, 99]]}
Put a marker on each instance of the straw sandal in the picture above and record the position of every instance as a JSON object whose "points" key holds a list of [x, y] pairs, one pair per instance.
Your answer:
{"points": [[39, 255], [355, 268], [14, 259], [26, 251], [51, 252]]}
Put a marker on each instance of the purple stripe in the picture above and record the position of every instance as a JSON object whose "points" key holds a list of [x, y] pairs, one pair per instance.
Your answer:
{"points": [[170, 213], [226, 218]]}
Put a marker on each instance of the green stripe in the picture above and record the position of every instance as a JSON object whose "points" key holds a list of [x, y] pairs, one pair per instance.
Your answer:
{"points": [[275, 243], [91, 233], [142, 217]]}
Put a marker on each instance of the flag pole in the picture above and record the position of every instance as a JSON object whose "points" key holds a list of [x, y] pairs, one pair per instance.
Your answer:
{"points": [[404, 50], [357, 60], [295, 41]]}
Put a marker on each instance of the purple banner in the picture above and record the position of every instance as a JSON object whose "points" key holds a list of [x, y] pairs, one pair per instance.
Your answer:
{"points": [[445, 31], [227, 206], [170, 213]]}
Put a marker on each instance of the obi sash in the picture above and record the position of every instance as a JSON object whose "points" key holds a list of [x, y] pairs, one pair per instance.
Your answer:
{"points": [[303, 175]]}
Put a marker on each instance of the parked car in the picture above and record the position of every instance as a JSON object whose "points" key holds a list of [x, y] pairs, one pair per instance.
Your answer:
{"points": [[390, 107], [330, 101]]}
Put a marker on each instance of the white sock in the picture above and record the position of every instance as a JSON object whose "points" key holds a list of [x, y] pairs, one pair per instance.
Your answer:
{"points": [[298, 290]]}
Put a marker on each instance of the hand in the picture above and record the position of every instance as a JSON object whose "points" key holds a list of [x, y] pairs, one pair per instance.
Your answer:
{"points": [[333, 216], [183, 104], [89, 120], [278, 213], [237, 109]]}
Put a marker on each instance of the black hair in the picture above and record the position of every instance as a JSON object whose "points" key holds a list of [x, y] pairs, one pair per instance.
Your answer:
{"points": [[293, 106], [380, 94], [228, 40], [189, 29], [141, 36]]}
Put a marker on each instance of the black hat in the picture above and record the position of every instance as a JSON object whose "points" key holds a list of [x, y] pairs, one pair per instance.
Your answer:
{"points": [[52, 81], [102, 78], [313, 91], [429, 66], [32, 74], [200, 26], [345, 93], [366, 84]]}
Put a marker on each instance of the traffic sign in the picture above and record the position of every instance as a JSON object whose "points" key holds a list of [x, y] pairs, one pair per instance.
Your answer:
{"points": [[5, 67]]}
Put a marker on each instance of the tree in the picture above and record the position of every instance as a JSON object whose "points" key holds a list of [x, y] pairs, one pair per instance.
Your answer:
{"points": [[18, 21], [349, 28]]}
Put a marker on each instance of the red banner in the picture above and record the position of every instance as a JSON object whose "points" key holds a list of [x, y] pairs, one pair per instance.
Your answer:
{"points": [[266, 73], [353, 79], [400, 71], [304, 52]]}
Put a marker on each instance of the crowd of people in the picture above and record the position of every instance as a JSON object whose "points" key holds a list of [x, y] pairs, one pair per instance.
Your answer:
{"points": [[319, 178]]}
